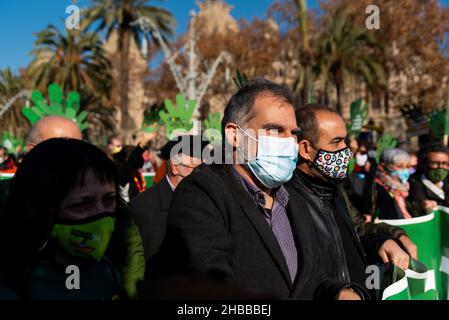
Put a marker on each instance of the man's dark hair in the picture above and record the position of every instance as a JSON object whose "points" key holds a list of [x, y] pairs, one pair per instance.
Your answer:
{"points": [[238, 109], [429, 148], [307, 122]]}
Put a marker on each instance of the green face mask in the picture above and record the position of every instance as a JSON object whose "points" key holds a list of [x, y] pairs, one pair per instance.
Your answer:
{"points": [[351, 165], [87, 238], [437, 175]]}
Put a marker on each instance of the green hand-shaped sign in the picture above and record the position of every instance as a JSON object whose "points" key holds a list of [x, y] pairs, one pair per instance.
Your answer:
{"points": [[178, 117], [358, 116], [413, 113], [151, 120], [446, 121], [240, 80], [386, 141], [212, 127], [436, 123], [58, 107]]}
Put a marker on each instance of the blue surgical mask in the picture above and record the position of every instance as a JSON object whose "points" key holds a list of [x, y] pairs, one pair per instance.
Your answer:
{"points": [[402, 174], [275, 161]]}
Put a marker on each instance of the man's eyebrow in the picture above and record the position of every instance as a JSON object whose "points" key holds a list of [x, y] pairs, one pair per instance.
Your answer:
{"points": [[273, 126], [337, 139]]}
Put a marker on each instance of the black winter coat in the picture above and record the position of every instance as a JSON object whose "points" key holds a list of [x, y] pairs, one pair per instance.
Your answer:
{"points": [[215, 230]]}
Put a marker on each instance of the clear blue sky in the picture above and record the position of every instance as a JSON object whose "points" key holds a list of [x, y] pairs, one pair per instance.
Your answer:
{"points": [[19, 19]]}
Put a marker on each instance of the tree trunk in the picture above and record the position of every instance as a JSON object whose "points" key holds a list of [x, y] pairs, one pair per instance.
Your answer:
{"points": [[326, 93], [339, 88], [305, 53], [124, 44]]}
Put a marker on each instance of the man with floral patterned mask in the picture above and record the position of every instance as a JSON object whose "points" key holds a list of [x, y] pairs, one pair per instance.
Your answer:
{"points": [[323, 164]]}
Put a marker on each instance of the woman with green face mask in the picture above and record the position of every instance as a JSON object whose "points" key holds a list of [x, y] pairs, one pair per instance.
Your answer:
{"points": [[58, 224], [430, 187]]}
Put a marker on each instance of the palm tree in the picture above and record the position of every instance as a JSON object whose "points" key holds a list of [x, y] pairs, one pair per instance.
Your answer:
{"points": [[75, 60], [10, 86], [118, 15], [305, 67], [347, 50]]}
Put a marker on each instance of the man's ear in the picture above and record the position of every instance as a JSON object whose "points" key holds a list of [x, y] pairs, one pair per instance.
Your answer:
{"points": [[306, 151], [173, 168], [231, 135]]}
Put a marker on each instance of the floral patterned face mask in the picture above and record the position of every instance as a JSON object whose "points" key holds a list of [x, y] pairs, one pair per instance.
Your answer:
{"points": [[333, 165]]}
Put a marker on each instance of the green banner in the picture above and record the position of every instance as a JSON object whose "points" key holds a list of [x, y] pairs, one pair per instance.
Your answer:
{"points": [[148, 179], [429, 233]]}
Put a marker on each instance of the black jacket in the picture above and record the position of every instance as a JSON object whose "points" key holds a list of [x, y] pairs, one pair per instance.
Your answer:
{"points": [[419, 192], [127, 170], [216, 230], [150, 209], [386, 207], [339, 241]]}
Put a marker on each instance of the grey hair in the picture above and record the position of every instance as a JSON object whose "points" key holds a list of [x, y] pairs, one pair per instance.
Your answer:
{"points": [[394, 155], [239, 108]]}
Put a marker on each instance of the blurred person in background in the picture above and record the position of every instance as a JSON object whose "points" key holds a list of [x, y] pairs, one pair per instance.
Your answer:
{"points": [[392, 187], [129, 161], [150, 208], [429, 187]]}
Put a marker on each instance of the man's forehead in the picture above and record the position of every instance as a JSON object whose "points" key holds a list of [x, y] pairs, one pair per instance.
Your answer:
{"points": [[269, 109], [438, 155], [330, 123]]}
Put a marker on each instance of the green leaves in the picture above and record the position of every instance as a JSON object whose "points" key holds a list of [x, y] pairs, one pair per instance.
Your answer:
{"points": [[241, 79], [212, 127], [12, 144], [386, 141], [178, 117], [358, 116], [58, 107]]}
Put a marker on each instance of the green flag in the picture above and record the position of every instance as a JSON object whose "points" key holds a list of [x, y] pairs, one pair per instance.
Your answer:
{"points": [[415, 283], [426, 233], [446, 123]]}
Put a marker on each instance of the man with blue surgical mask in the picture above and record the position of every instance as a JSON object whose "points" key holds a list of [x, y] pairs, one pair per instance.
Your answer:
{"points": [[234, 222], [324, 156]]}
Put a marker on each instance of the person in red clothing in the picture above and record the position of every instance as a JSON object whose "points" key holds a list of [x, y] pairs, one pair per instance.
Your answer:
{"points": [[8, 163]]}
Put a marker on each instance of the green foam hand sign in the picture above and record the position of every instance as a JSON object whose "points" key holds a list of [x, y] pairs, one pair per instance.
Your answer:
{"points": [[178, 117], [386, 141], [58, 107], [436, 123], [151, 120], [446, 117], [212, 127], [241, 79], [358, 116], [13, 145], [412, 113]]}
